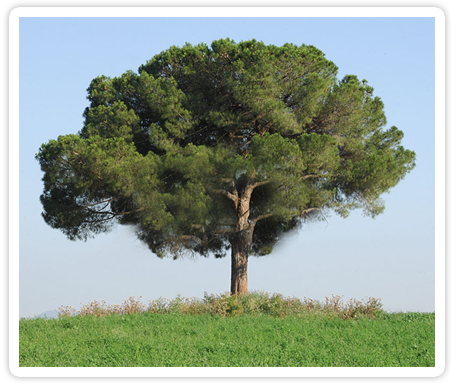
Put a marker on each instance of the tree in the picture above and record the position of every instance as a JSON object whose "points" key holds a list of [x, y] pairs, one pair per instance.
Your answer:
{"points": [[207, 149]]}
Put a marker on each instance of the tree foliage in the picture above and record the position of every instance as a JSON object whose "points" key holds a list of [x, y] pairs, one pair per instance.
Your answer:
{"points": [[174, 149]]}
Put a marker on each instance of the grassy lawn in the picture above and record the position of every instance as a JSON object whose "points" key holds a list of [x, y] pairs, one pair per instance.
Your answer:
{"points": [[183, 340]]}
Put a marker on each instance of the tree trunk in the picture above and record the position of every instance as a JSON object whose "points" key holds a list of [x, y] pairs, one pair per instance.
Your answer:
{"points": [[241, 240], [241, 244]]}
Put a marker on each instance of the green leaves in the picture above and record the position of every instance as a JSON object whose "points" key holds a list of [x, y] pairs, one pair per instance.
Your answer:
{"points": [[111, 121], [238, 90], [320, 154], [174, 148]]}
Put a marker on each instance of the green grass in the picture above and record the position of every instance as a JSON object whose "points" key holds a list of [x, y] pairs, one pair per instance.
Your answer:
{"points": [[205, 340]]}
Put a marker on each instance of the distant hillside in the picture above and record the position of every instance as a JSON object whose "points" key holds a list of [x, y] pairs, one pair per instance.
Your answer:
{"points": [[49, 314]]}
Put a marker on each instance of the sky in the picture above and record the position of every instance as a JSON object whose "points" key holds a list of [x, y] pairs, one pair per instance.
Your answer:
{"points": [[391, 257]]}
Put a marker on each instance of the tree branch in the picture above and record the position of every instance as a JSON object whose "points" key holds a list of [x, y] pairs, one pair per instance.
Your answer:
{"points": [[105, 213], [261, 217], [251, 185], [231, 196], [254, 221], [223, 231], [231, 182], [127, 213], [306, 211], [192, 238], [317, 176], [216, 231], [260, 183]]}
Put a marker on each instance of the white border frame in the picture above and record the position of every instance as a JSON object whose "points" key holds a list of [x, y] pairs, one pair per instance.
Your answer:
{"points": [[227, 12]]}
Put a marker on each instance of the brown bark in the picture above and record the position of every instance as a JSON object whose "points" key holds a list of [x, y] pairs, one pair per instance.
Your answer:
{"points": [[241, 243], [241, 237]]}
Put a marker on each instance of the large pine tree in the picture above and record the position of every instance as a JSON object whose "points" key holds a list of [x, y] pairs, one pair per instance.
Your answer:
{"points": [[207, 149]]}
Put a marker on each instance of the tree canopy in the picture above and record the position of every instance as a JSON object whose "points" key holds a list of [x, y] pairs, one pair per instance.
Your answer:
{"points": [[209, 148]]}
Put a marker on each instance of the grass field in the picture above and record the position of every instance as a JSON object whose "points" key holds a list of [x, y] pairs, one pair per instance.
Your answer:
{"points": [[173, 339]]}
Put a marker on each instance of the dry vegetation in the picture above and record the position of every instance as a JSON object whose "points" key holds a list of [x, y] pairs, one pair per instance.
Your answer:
{"points": [[255, 303]]}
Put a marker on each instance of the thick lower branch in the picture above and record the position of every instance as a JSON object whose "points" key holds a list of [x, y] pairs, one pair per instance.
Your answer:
{"points": [[308, 210], [260, 183], [231, 196], [258, 218], [251, 185]]}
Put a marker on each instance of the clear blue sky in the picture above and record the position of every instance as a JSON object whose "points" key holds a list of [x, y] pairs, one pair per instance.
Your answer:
{"points": [[391, 257]]}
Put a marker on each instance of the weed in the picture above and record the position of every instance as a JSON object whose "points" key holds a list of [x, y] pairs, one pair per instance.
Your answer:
{"points": [[222, 305], [99, 309]]}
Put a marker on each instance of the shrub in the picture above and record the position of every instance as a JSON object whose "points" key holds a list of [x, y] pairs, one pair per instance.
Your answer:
{"points": [[217, 304], [352, 309], [254, 303], [99, 309], [159, 305]]}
